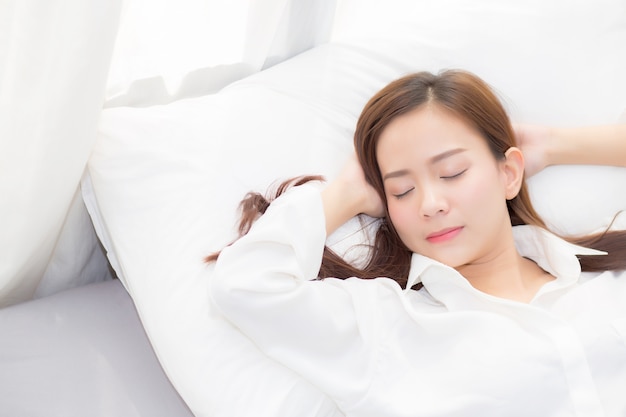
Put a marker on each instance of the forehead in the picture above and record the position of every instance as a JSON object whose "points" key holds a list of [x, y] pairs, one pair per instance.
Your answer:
{"points": [[426, 131]]}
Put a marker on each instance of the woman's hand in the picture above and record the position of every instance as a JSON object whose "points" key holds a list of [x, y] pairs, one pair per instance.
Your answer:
{"points": [[349, 195], [535, 143], [367, 199], [589, 145]]}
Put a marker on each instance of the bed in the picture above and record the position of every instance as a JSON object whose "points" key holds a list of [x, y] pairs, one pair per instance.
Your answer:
{"points": [[163, 182]]}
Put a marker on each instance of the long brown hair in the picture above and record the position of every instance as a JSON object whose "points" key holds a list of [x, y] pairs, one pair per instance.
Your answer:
{"points": [[471, 99]]}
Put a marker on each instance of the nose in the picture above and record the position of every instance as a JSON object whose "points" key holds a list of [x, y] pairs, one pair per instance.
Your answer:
{"points": [[433, 201]]}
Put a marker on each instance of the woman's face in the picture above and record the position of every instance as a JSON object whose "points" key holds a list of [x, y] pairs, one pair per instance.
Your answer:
{"points": [[446, 192]]}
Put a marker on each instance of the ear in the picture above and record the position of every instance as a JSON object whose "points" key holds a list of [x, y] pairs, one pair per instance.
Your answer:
{"points": [[513, 169]]}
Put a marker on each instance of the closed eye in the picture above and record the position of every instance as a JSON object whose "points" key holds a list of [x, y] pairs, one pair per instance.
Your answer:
{"points": [[450, 177], [398, 196]]}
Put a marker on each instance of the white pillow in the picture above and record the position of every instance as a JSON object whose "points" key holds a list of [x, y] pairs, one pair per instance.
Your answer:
{"points": [[167, 179]]}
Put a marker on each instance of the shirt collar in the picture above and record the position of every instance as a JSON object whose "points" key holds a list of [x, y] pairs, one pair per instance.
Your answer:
{"points": [[552, 253]]}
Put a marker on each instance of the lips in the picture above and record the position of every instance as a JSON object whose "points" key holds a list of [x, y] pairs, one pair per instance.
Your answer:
{"points": [[444, 235]]}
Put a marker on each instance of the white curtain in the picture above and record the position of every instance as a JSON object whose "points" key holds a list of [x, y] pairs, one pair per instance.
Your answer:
{"points": [[168, 50], [54, 57], [62, 61]]}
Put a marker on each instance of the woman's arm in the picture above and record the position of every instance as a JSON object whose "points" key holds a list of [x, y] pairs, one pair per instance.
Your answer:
{"points": [[591, 145], [349, 195], [264, 284]]}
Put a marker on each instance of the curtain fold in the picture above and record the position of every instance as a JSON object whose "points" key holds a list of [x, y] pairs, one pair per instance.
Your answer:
{"points": [[54, 58], [170, 50]]}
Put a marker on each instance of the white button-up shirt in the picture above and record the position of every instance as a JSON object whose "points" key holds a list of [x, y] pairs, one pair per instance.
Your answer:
{"points": [[446, 350]]}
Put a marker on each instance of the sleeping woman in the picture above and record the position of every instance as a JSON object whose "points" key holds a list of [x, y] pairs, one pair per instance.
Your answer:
{"points": [[467, 304]]}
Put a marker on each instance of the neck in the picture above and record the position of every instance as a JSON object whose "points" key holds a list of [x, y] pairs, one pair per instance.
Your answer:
{"points": [[506, 274]]}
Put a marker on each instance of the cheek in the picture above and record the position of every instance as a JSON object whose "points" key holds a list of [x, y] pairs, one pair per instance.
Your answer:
{"points": [[402, 217], [483, 199], [492, 187]]}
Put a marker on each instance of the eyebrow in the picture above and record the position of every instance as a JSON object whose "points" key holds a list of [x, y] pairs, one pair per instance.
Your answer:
{"points": [[435, 159]]}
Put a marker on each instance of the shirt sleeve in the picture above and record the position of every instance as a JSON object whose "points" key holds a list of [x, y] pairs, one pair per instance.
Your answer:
{"points": [[264, 284]]}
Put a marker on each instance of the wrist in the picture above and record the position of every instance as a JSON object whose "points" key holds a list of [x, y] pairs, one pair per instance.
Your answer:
{"points": [[341, 203], [569, 145], [557, 146]]}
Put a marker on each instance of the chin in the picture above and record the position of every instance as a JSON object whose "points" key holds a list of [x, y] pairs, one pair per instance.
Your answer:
{"points": [[451, 260]]}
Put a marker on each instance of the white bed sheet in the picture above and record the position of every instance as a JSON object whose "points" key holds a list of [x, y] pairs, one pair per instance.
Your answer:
{"points": [[81, 352]]}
